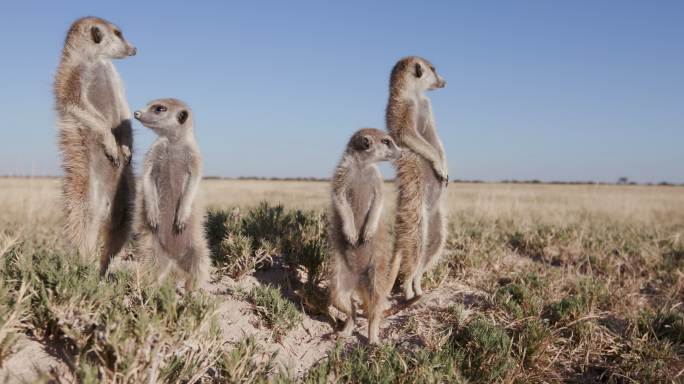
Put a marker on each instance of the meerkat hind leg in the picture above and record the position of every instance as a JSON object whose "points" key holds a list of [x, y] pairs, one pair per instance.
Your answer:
{"points": [[119, 225], [435, 244], [375, 310], [414, 272], [410, 253], [342, 299]]}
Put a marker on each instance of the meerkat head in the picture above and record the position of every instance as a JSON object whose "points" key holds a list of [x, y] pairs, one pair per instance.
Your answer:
{"points": [[415, 73], [169, 118], [98, 38], [372, 145]]}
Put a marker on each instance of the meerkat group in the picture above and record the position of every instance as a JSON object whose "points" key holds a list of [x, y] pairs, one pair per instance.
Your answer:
{"points": [[99, 191]]}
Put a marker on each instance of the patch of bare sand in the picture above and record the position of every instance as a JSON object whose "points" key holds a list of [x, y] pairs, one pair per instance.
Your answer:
{"points": [[32, 363], [315, 336]]}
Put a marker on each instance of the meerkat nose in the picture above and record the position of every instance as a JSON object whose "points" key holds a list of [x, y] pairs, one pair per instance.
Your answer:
{"points": [[137, 114], [134, 50]]}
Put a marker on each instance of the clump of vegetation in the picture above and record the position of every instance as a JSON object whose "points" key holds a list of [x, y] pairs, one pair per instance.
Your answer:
{"points": [[234, 251], [279, 314], [483, 349], [242, 243], [246, 362], [236, 257], [386, 364], [305, 247], [583, 297], [664, 324]]}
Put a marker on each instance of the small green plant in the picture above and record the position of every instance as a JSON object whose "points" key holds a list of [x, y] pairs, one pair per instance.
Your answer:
{"points": [[245, 362], [483, 349], [515, 299], [664, 324], [583, 297], [386, 364], [265, 222], [237, 258], [305, 246], [531, 341], [234, 252], [279, 314]]}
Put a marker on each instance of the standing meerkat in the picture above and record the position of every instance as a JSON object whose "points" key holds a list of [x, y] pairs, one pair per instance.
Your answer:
{"points": [[362, 259], [422, 174], [168, 222], [95, 139]]}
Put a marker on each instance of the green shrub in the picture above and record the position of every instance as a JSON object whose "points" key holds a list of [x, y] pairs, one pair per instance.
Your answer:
{"points": [[484, 350], [234, 252], [386, 364], [583, 297], [279, 314], [664, 324]]}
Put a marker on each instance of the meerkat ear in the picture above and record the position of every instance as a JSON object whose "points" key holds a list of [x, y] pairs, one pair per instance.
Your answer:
{"points": [[96, 34], [419, 70], [182, 116]]}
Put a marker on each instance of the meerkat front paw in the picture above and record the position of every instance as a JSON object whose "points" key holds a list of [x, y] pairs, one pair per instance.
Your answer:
{"points": [[126, 151], [179, 224], [351, 237], [153, 220], [441, 173], [367, 235], [111, 150]]}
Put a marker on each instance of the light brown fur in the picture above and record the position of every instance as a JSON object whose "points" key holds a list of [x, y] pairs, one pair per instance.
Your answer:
{"points": [[421, 170], [95, 140], [362, 259], [168, 220]]}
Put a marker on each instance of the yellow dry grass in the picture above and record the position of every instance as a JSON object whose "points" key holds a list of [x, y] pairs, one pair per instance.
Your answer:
{"points": [[31, 201]]}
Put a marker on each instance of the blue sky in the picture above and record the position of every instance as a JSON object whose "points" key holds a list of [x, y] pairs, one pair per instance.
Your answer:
{"points": [[581, 90]]}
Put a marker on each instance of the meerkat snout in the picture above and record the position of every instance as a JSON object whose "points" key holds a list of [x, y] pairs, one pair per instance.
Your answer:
{"points": [[137, 114]]}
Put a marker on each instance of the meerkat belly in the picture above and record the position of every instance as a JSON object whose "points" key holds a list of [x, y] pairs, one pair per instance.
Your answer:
{"points": [[433, 187], [360, 199], [171, 180], [102, 96], [103, 177]]}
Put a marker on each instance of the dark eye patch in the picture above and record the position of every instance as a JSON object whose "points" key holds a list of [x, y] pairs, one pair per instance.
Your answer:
{"points": [[118, 34]]}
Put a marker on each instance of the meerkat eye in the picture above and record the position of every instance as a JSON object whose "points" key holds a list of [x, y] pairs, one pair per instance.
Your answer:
{"points": [[118, 34], [159, 109], [386, 142]]}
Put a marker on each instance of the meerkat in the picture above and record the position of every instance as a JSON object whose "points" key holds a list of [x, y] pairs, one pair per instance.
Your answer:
{"points": [[362, 261], [422, 173], [168, 222], [95, 139]]}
